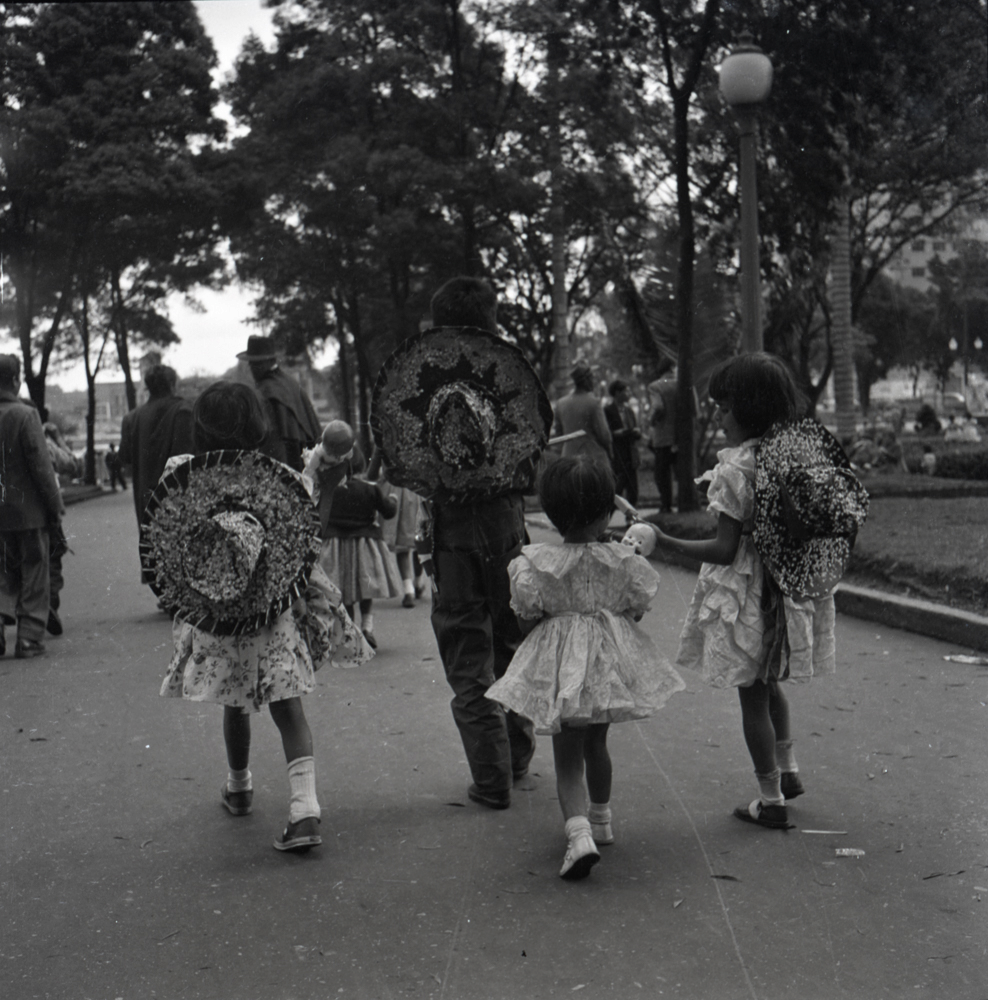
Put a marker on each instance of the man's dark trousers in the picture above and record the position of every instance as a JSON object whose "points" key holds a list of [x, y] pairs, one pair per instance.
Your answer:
{"points": [[478, 633], [24, 592]]}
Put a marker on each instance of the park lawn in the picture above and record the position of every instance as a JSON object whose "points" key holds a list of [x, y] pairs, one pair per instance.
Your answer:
{"points": [[930, 547]]}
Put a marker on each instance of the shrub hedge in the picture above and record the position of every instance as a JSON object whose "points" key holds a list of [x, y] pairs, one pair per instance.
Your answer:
{"points": [[955, 459]]}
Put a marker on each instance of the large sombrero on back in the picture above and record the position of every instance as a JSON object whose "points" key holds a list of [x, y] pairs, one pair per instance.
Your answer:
{"points": [[228, 539], [461, 412], [809, 506]]}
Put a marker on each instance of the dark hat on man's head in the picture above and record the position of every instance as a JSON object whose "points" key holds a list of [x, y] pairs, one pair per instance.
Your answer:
{"points": [[10, 367], [259, 349]]}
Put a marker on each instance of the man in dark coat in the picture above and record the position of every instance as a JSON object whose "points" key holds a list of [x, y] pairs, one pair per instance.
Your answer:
{"points": [[30, 505], [294, 424], [154, 432]]}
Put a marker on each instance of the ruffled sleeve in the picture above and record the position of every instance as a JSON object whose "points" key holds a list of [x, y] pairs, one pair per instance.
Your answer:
{"points": [[526, 597], [732, 490]]}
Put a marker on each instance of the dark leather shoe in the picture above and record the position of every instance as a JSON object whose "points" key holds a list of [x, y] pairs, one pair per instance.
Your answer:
{"points": [[493, 800], [791, 785], [54, 623], [27, 649]]}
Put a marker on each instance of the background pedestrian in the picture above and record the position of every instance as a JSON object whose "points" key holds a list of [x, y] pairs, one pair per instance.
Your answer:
{"points": [[354, 554], [663, 393], [31, 510], [625, 436]]}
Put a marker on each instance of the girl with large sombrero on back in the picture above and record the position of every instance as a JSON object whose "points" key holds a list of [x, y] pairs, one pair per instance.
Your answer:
{"points": [[229, 542], [788, 507]]}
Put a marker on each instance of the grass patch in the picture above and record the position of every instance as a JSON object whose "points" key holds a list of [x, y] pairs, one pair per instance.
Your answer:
{"points": [[930, 547]]}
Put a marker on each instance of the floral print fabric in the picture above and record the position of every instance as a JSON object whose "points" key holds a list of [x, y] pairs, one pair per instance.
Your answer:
{"points": [[277, 663], [586, 661], [724, 633]]}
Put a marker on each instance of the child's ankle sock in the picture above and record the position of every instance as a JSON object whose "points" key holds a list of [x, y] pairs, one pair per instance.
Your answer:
{"points": [[302, 778], [599, 815], [769, 788], [784, 756], [239, 781], [367, 622], [576, 825], [409, 587]]}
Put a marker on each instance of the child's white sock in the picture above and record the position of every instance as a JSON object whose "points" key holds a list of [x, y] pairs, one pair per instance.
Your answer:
{"points": [[770, 789], [302, 778], [599, 815], [784, 756], [576, 825], [367, 622], [239, 781], [409, 587]]}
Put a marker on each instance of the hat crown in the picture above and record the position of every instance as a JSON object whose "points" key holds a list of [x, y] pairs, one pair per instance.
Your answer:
{"points": [[258, 349], [462, 425], [224, 554]]}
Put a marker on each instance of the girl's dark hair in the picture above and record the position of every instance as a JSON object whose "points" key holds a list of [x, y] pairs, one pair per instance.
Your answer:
{"points": [[229, 415], [575, 492], [759, 389]]}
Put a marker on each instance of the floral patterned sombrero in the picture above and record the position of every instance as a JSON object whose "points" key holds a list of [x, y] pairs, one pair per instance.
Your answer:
{"points": [[228, 540], [809, 506], [461, 412]]}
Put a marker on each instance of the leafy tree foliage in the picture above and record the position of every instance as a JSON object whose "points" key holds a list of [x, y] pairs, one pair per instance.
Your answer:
{"points": [[390, 148], [103, 192]]}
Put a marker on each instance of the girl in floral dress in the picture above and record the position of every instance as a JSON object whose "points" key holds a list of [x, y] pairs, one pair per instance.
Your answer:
{"points": [[585, 663], [274, 664], [740, 630]]}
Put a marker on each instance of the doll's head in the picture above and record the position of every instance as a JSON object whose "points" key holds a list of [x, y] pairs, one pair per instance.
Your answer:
{"points": [[576, 492], [229, 415], [758, 389]]}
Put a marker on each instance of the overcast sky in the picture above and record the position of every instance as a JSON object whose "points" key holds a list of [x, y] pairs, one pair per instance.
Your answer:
{"points": [[209, 340]]}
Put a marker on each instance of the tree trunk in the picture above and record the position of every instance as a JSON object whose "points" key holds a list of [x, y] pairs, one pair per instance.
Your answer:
{"points": [[686, 458], [89, 474], [562, 358], [123, 345], [840, 298]]}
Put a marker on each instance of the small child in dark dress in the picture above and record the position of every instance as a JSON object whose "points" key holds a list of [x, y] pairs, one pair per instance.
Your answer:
{"points": [[354, 554]]}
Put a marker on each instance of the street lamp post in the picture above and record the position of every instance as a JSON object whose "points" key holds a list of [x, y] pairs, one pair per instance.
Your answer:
{"points": [[745, 81]]}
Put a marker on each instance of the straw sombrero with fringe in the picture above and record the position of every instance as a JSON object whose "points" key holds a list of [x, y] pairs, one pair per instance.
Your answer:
{"points": [[228, 540], [809, 506], [459, 412]]}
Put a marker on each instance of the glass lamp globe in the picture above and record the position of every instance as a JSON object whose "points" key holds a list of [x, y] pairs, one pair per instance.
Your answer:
{"points": [[746, 74]]}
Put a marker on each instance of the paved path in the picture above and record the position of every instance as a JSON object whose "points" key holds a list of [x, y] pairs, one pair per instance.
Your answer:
{"points": [[121, 876]]}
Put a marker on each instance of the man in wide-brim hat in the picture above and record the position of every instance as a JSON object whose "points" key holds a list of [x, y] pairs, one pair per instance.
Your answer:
{"points": [[462, 419], [294, 424]]}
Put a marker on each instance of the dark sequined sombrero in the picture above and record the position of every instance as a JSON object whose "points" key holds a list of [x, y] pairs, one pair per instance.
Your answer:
{"points": [[460, 412], [809, 506], [228, 540]]}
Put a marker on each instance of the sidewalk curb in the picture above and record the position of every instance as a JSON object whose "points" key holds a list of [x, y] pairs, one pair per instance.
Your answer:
{"points": [[913, 615], [935, 621]]}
